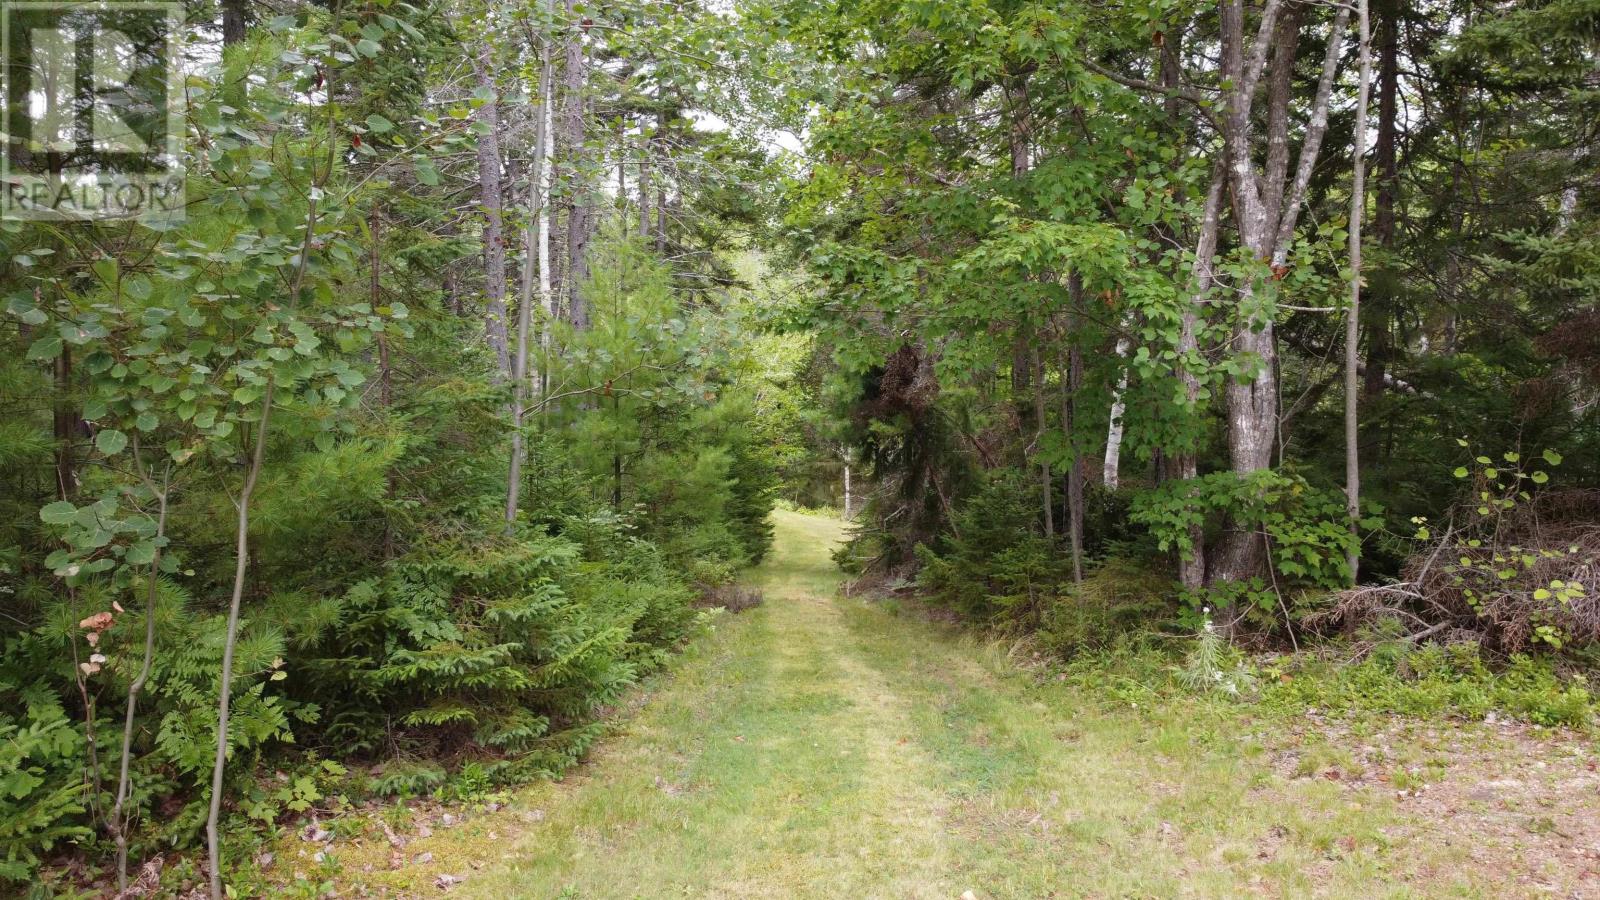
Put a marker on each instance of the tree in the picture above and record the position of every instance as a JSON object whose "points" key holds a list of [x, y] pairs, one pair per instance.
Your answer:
{"points": [[1352, 333]]}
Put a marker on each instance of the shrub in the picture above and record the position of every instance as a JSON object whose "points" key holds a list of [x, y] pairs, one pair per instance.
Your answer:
{"points": [[1306, 530], [1119, 597], [995, 564]]}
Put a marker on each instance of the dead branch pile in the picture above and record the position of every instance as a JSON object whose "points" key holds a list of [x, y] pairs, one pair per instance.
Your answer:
{"points": [[734, 598], [1497, 584]]}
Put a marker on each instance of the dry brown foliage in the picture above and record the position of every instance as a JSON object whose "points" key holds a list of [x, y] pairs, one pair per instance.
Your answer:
{"points": [[1559, 531]]}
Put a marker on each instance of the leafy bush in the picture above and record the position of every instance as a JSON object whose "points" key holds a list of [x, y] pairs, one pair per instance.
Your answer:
{"points": [[1306, 531], [1397, 678]]}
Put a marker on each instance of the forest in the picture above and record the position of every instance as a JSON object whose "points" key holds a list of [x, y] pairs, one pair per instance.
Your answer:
{"points": [[1164, 374]]}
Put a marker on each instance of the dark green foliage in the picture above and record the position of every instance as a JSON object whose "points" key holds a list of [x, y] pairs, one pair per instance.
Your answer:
{"points": [[1303, 529], [995, 564], [42, 796], [509, 645], [1120, 600]]}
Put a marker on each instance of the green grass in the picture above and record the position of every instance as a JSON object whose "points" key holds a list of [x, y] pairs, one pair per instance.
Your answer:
{"points": [[823, 747]]}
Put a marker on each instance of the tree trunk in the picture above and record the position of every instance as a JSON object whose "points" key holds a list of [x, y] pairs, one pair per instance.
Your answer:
{"points": [[532, 228], [1038, 437], [119, 821], [1352, 331], [661, 156], [491, 196], [578, 199], [1074, 463], [1021, 362], [1386, 164], [224, 691], [1267, 233], [240, 565], [622, 170], [1110, 473], [847, 491], [644, 185], [545, 182], [1184, 462], [233, 21], [1071, 384]]}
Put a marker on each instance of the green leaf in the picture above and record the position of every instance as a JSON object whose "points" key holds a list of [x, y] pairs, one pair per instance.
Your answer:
{"points": [[110, 441], [47, 347], [58, 513], [1552, 457], [141, 554], [1461, 472]]}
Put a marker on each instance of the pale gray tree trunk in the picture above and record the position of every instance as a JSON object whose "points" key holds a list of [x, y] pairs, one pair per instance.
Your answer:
{"points": [[1267, 233], [1352, 324], [1192, 567], [579, 227], [534, 233], [491, 196], [241, 557], [847, 492], [240, 567]]}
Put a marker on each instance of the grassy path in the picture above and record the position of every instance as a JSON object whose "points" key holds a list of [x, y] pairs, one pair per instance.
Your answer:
{"points": [[820, 747]]}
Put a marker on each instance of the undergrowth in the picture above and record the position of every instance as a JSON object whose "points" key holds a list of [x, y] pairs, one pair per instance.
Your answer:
{"points": [[1393, 678]]}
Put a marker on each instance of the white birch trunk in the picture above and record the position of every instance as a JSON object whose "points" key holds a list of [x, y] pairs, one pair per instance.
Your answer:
{"points": [[1111, 472], [847, 492]]}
